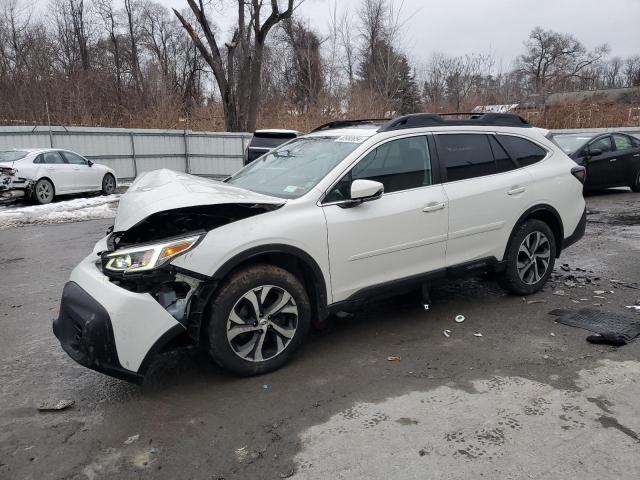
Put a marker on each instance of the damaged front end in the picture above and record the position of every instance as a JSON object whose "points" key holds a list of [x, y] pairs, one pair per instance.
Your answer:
{"points": [[127, 301]]}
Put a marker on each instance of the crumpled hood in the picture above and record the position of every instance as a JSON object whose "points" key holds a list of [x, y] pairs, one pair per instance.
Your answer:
{"points": [[161, 190]]}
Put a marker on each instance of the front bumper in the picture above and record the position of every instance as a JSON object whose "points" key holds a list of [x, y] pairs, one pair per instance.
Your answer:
{"points": [[109, 329]]}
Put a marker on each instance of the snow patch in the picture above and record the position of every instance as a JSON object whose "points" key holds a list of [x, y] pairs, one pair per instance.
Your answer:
{"points": [[75, 210]]}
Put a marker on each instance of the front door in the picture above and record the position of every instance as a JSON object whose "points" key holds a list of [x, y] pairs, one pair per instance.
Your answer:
{"points": [[85, 178], [398, 236], [602, 169]]}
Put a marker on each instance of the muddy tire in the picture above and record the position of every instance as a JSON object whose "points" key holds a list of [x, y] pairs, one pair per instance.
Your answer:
{"points": [[108, 184], [530, 257], [43, 192], [635, 186], [257, 320]]}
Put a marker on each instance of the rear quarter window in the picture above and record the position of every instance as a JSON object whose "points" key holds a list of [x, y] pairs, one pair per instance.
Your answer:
{"points": [[523, 151]]}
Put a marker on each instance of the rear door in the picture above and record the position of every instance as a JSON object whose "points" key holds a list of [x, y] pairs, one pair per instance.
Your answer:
{"points": [[487, 193], [55, 168], [626, 155]]}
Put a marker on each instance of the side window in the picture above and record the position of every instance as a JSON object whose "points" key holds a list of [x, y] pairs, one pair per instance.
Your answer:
{"points": [[603, 144], [522, 150], [503, 160], [399, 165], [74, 159], [466, 155], [622, 142], [636, 142], [51, 158]]}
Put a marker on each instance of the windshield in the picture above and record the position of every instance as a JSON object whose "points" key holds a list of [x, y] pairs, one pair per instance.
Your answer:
{"points": [[12, 155], [569, 143], [294, 168]]}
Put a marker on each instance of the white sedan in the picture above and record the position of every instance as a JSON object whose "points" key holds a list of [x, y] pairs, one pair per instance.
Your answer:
{"points": [[44, 173]]}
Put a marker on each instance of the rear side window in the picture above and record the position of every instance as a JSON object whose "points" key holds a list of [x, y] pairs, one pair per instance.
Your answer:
{"points": [[522, 150], [12, 155], [51, 158], [466, 156], [503, 160], [622, 142]]}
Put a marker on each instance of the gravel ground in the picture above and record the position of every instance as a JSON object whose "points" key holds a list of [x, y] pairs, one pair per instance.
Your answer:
{"points": [[528, 399]]}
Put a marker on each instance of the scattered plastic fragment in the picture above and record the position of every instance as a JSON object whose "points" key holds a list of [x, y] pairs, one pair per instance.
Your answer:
{"points": [[394, 358], [633, 307], [265, 386], [54, 406], [131, 439], [531, 302], [559, 292], [447, 333], [552, 334], [477, 334], [599, 292], [599, 296], [459, 318]]}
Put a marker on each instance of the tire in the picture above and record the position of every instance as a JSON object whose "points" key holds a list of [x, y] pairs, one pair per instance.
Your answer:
{"points": [[108, 184], [523, 276], [635, 186], [275, 337], [43, 192]]}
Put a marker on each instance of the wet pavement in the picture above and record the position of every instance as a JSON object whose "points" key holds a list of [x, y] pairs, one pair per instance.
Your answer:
{"points": [[530, 398]]}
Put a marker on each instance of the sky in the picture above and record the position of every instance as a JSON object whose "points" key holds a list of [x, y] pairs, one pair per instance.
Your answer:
{"points": [[458, 27]]}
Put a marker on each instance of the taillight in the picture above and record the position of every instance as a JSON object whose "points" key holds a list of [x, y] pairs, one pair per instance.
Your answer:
{"points": [[7, 171], [580, 173]]}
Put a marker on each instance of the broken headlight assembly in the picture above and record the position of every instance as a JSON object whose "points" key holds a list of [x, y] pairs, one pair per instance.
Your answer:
{"points": [[143, 258]]}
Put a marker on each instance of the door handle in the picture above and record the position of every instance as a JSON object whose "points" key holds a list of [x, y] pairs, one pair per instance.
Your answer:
{"points": [[637, 155], [433, 206], [613, 159], [516, 190]]}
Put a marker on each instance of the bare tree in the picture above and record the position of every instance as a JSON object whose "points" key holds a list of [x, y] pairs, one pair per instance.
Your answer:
{"points": [[239, 77]]}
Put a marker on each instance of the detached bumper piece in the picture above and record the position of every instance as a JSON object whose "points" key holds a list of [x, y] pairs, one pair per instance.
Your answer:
{"points": [[85, 333]]}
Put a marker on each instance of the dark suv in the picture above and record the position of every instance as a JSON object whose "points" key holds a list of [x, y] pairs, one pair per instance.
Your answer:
{"points": [[265, 140]]}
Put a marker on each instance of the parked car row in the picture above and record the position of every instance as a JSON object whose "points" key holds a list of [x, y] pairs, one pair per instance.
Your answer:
{"points": [[41, 174], [322, 223]]}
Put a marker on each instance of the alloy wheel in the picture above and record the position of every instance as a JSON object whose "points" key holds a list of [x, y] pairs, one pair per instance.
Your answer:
{"points": [[534, 255], [44, 191], [109, 184], [262, 323]]}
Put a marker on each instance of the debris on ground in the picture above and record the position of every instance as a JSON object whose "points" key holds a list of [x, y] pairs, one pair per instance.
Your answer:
{"points": [[447, 333], [394, 358], [131, 439], [599, 292], [288, 474], [531, 302], [265, 386], [51, 406], [610, 328], [559, 292], [477, 334], [459, 318]]}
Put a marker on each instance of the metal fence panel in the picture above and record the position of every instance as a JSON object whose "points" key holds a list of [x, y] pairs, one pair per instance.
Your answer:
{"points": [[132, 151]]}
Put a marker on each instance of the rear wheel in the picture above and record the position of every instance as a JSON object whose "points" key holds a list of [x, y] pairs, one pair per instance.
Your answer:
{"points": [[529, 259], [108, 184], [635, 186], [43, 192], [258, 318]]}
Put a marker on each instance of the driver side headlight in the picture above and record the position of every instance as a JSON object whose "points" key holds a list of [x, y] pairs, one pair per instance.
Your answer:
{"points": [[148, 257]]}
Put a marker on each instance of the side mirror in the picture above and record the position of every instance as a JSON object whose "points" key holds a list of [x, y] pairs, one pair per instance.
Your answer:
{"points": [[90, 163], [593, 152], [366, 190]]}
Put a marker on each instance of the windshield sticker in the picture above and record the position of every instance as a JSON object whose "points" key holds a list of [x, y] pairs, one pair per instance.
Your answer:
{"points": [[293, 189], [351, 139]]}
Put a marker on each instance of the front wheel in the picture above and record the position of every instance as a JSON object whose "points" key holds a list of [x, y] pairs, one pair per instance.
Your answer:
{"points": [[635, 186], [257, 320], [108, 184], [530, 257]]}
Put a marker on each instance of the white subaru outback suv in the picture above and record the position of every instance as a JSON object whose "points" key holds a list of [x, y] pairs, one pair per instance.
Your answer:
{"points": [[322, 223]]}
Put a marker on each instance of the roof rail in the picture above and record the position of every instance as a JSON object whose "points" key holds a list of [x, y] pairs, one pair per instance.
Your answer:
{"points": [[350, 123], [417, 120]]}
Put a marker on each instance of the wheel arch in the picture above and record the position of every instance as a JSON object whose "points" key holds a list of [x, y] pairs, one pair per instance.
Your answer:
{"points": [[547, 214], [292, 259], [53, 185]]}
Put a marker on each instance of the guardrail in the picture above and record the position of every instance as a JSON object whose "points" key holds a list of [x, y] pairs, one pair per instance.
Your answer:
{"points": [[132, 151]]}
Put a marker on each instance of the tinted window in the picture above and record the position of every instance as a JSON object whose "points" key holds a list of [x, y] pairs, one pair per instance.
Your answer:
{"points": [[522, 150], [603, 144], [622, 142], [74, 159], [12, 155], [399, 165], [503, 160], [466, 156], [269, 140], [51, 157], [636, 142]]}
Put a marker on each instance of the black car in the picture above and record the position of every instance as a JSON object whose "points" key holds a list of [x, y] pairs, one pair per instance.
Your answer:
{"points": [[265, 140], [612, 159]]}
